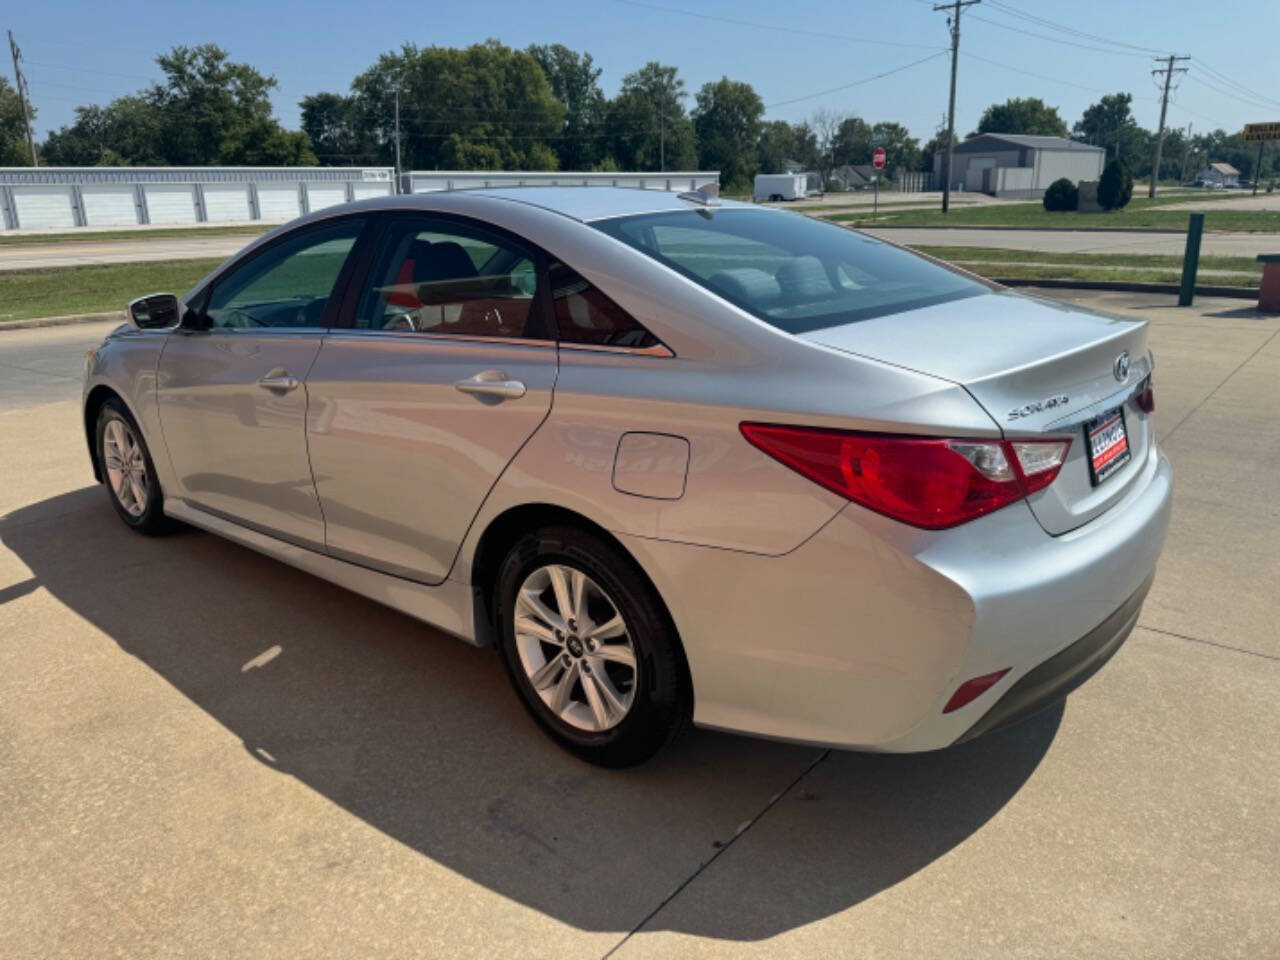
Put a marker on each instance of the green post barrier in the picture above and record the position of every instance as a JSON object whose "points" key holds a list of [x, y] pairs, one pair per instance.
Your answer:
{"points": [[1191, 260]]}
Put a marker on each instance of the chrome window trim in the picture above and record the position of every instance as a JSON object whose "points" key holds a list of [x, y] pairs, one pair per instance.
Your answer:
{"points": [[352, 333], [656, 350]]}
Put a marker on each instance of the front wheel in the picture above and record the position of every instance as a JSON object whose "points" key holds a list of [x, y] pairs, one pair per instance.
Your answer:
{"points": [[128, 470], [589, 647]]}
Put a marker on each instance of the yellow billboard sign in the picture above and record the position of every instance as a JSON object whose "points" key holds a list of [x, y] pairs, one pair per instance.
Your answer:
{"points": [[1261, 132]]}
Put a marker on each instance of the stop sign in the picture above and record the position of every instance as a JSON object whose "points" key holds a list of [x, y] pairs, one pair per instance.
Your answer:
{"points": [[877, 158]]}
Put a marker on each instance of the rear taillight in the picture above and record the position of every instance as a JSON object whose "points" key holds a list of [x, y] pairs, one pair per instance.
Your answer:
{"points": [[1146, 400], [928, 482], [970, 690]]}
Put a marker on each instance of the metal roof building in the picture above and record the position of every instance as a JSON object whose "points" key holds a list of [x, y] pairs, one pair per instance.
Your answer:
{"points": [[1017, 165]]}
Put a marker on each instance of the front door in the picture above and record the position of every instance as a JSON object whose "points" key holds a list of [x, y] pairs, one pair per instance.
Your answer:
{"points": [[233, 397], [422, 396]]}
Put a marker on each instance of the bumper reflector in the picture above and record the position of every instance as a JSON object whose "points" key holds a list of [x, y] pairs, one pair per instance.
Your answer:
{"points": [[972, 689]]}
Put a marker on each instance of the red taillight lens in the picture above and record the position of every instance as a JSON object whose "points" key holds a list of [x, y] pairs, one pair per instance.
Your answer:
{"points": [[970, 690], [1146, 400], [927, 482]]}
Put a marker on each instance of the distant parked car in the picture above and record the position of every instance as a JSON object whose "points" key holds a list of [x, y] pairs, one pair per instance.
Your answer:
{"points": [[677, 459]]}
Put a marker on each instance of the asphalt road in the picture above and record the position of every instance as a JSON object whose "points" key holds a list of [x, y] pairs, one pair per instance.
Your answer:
{"points": [[206, 753]]}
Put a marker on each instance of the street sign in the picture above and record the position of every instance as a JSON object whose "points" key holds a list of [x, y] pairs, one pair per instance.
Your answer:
{"points": [[1261, 132], [877, 158]]}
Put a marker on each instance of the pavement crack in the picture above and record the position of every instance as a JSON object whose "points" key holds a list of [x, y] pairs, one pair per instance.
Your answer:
{"points": [[738, 834], [1209, 643]]}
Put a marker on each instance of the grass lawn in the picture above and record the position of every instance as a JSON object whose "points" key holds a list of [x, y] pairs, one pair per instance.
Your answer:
{"points": [[25, 294], [1000, 255], [997, 271], [89, 236], [1140, 212]]}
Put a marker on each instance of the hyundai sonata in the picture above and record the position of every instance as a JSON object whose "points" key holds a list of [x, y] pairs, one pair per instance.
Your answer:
{"points": [[677, 459]]}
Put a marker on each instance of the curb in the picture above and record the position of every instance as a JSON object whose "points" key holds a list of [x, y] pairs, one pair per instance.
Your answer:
{"points": [[117, 315], [1124, 286]]}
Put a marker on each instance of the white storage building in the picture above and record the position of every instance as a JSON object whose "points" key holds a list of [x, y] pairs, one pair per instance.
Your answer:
{"points": [[426, 181], [1014, 165], [68, 197]]}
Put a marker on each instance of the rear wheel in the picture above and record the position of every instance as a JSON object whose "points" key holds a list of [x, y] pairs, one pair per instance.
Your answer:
{"points": [[128, 470], [589, 647]]}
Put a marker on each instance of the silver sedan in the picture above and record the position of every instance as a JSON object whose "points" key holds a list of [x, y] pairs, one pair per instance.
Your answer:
{"points": [[677, 459]]}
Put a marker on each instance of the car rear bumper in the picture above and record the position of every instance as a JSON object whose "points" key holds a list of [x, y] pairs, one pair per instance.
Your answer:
{"points": [[1052, 680], [858, 637]]}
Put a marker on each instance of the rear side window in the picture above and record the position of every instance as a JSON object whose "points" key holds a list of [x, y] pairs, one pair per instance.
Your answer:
{"points": [[446, 278], [585, 315], [791, 271]]}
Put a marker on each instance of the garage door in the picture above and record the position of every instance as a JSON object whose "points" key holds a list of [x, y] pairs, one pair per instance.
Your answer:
{"points": [[44, 207], [109, 204], [321, 195], [171, 202], [226, 201], [278, 202], [363, 191]]}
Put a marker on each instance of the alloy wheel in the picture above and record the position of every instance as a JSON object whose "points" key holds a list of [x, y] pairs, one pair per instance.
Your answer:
{"points": [[126, 467], [575, 648]]}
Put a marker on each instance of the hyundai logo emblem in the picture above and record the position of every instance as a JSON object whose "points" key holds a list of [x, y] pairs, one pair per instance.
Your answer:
{"points": [[1121, 367]]}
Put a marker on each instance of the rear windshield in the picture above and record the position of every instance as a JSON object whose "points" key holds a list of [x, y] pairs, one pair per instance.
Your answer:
{"points": [[791, 271]]}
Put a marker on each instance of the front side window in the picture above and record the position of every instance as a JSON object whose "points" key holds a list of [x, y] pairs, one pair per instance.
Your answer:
{"points": [[288, 284], [791, 271], [585, 315], [442, 277]]}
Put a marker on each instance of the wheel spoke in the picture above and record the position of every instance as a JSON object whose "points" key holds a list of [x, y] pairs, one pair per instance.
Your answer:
{"points": [[618, 653], [547, 674], [564, 595], [531, 627], [529, 601], [139, 493], [595, 700], [614, 701], [560, 696], [612, 628], [578, 596]]}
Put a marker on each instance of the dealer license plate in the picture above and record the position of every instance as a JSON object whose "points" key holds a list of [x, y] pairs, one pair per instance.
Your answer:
{"points": [[1108, 445]]}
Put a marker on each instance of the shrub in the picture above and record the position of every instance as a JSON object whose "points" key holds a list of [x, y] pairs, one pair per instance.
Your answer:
{"points": [[1061, 195], [1116, 186]]}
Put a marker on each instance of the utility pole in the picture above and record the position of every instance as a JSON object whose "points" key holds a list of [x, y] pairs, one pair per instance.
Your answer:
{"points": [[953, 21], [24, 95], [397, 183], [1169, 61], [1186, 149]]}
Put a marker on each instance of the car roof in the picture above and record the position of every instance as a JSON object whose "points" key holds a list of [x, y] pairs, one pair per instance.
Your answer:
{"points": [[595, 203]]}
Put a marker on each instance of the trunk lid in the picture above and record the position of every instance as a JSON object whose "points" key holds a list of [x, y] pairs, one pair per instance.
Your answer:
{"points": [[1039, 368]]}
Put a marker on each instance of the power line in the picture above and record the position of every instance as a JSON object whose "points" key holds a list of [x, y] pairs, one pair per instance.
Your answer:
{"points": [[857, 83], [1063, 28], [1239, 98], [1219, 75], [1043, 36], [775, 28]]}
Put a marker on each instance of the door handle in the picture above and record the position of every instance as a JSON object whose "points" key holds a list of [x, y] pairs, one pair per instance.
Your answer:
{"points": [[279, 381], [492, 383]]}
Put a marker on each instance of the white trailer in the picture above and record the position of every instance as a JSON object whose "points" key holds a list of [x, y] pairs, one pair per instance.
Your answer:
{"points": [[781, 186]]}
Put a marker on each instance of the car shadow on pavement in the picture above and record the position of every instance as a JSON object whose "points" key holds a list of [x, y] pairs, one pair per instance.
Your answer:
{"points": [[421, 737]]}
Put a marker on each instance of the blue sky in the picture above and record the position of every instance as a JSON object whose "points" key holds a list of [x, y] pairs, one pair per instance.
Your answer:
{"points": [[84, 51]]}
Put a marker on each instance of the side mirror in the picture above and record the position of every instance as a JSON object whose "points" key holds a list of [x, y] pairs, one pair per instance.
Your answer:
{"points": [[155, 312]]}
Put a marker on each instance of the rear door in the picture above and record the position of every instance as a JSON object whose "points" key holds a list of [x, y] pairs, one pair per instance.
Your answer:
{"points": [[440, 369]]}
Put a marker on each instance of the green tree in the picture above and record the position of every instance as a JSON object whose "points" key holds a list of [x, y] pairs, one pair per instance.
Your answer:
{"points": [[781, 143], [934, 146], [14, 151], [1109, 123], [575, 82], [647, 112], [852, 142], [333, 123], [726, 121], [1115, 187], [482, 107], [1029, 115], [126, 131]]}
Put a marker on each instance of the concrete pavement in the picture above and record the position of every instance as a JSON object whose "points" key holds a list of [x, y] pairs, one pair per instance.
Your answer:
{"points": [[203, 752], [33, 256]]}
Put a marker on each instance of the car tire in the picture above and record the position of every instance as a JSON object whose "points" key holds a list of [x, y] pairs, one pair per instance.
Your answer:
{"points": [[128, 471], [576, 686]]}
